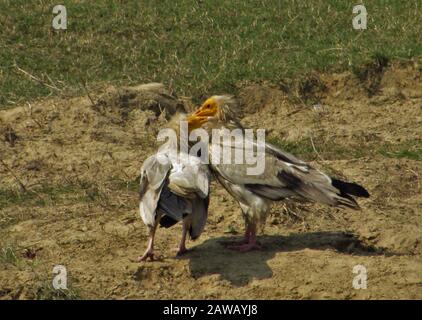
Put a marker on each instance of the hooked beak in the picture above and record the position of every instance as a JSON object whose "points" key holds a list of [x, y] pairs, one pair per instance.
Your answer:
{"points": [[195, 121], [200, 113]]}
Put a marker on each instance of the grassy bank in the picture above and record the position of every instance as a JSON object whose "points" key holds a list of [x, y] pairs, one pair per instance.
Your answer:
{"points": [[199, 47]]}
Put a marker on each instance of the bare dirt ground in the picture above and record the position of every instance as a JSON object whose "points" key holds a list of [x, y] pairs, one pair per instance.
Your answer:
{"points": [[68, 196]]}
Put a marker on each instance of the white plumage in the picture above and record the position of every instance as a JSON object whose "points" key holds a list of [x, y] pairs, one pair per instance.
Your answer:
{"points": [[284, 176], [174, 187]]}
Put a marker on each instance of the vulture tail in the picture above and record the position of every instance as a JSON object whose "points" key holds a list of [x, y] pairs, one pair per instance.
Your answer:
{"points": [[348, 188], [173, 207], [199, 216]]}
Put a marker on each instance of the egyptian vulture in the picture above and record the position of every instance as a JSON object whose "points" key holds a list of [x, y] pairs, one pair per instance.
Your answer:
{"points": [[284, 176], [174, 186]]}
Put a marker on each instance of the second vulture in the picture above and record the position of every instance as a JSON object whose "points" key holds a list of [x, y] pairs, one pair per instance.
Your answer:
{"points": [[284, 176]]}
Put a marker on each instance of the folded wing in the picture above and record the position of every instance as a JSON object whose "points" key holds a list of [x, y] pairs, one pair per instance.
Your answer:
{"points": [[176, 186], [285, 176]]}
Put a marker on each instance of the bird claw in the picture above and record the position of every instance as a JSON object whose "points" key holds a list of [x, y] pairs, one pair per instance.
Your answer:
{"points": [[145, 256], [181, 252]]}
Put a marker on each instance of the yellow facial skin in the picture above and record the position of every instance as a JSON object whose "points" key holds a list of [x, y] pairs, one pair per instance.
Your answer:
{"points": [[208, 109], [195, 122]]}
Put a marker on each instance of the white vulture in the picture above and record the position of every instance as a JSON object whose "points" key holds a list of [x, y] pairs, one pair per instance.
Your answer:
{"points": [[174, 187], [284, 176]]}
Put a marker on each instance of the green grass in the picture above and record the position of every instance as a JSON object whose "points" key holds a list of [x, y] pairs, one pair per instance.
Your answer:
{"points": [[45, 291], [411, 150], [301, 149], [14, 255], [8, 255], [124, 185], [201, 47], [304, 150]]}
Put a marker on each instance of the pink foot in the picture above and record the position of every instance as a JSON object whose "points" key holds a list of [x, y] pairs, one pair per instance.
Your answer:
{"points": [[246, 247], [181, 251], [146, 255]]}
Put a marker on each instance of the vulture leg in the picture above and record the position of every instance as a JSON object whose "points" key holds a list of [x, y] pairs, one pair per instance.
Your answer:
{"points": [[251, 243], [246, 237], [244, 240], [149, 252], [182, 246]]}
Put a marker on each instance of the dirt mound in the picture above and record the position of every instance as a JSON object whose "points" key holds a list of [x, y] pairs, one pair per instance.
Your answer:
{"points": [[68, 196], [154, 97]]}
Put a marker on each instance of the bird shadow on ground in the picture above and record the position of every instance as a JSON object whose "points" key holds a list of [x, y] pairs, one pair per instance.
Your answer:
{"points": [[212, 257]]}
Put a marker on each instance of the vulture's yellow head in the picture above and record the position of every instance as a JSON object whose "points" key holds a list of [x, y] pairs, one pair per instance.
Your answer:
{"points": [[217, 108]]}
